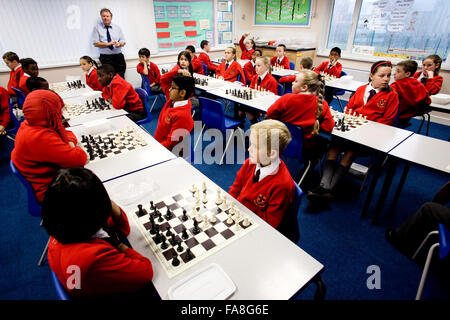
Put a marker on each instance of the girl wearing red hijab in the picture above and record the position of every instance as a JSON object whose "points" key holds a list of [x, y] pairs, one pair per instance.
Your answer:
{"points": [[42, 144]]}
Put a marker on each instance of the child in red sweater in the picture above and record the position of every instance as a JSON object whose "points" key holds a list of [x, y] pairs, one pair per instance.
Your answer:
{"points": [[30, 69], [204, 57], [149, 69], [183, 66], [333, 68], [89, 66], [85, 250], [414, 98], [12, 61], [175, 121], [42, 144], [120, 93], [264, 184], [229, 70], [249, 67], [376, 100], [280, 60], [306, 109], [196, 63], [5, 118], [247, 46], [305, 64], [429, 76]]}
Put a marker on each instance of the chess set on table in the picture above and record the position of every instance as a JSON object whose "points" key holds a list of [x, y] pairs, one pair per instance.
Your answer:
{"points": [[247, 93], [206, 81], [69, 85], [191, 225], [328, 78], [112, 143], [77, 109], [347, 121]]}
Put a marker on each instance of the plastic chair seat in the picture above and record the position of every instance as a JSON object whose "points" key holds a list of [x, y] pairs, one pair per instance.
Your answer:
{"points": [[143, 96], [291, 65], [231, 123], [60, 290]]}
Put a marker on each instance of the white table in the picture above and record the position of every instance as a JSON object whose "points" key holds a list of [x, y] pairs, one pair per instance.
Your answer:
{"points": [[115, 166], [70, 93], [284, 72], [347, 85], [440, 107], [263, 264], [213, 83], [84, 118]]}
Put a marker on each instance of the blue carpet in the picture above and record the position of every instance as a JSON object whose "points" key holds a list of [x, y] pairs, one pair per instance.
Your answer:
{"points": [[338, 238]]}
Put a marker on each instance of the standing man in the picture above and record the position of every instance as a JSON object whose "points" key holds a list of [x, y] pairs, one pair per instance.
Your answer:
{"points": [[109, 40]]}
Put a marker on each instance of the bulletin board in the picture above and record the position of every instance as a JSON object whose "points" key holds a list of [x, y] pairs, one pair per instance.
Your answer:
{"points": [[182, 23], [283, 12]]}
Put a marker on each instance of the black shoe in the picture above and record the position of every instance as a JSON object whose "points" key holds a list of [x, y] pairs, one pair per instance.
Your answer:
{"points": [[320, 193]]}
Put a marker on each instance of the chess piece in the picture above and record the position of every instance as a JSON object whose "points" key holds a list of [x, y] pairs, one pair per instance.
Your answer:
{"points": [[196, 229], [184, 234], [184, 217], [230, 219], [141, 211], [205, 200], [168, 232], [205, 221], [204, 187], [179, 247], [245, 223], [219, 198], [189, 255], [175, 261], [168, 214], [164, 244], [173, 239], [213, 218]]}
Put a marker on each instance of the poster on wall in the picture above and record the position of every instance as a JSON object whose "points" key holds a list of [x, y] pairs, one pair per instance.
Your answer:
{"points": [[283, 12], [182, 23]]}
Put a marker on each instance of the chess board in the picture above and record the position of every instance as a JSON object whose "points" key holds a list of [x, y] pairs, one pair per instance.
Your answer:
{"points": [[110, 144], [69, 85], [207, 82], [345, 122], [328, 78], [246, 93], [87, 107], [211, 236]]}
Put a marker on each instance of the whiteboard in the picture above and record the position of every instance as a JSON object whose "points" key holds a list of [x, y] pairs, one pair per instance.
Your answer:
{"points": [[58, 32]]}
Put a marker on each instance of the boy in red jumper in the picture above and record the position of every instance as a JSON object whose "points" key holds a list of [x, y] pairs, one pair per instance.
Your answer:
{"points": [[249, 67], [42, 144], [175, 120], [229, 70], [280, 59], [5, 118], [196, 62], [12, 61], [149, 69], [429, 76], [30, 69], [85, 250], [414, 98], [333, 68], [120, 93], [264, 184], [204, 57]]}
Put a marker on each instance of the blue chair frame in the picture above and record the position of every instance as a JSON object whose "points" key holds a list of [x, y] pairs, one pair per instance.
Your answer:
{"points": [[289, 223], [145, 84], [280, 89], [143, 96], [337, 93], [13, 119], [291, 65], [213, 116], [60, 290], [20, 97], [205, 68]]}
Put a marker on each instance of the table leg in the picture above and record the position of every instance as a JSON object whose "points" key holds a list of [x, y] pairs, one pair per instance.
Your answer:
{"points": [[321, 290], [400, 187], [376, 174], [384, 191]]}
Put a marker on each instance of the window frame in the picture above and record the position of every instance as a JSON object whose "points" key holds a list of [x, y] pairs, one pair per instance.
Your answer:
{"points": [[347, 53]]}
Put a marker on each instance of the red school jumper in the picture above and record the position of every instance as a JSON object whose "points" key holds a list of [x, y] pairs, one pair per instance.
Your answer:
{"points": [[300, 110], [231, 74], [433, 85], [270, 197], [92, 80], [246, 54], [154, 76], [14, 80], [412, 95], [204, 57], [103, 269], [197, 65], [335, 70], [381, 108], [284, 63], [123, 95], [268, 83], [249, 71], [5, 117], [170, 119]]}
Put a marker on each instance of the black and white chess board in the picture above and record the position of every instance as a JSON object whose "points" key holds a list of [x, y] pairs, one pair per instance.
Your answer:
{"points": [[111, 144], [345, 122], [188, 226], [96, 105]]}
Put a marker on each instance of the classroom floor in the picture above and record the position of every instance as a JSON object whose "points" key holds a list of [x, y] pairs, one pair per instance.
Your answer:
{"points": [[338, 238]]}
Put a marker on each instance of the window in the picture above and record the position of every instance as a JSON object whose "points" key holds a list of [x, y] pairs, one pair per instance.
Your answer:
{"points": [[404, 29]]}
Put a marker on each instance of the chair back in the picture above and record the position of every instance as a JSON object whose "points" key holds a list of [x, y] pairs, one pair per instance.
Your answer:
{"points": [[60, 290], [291, 65], [14, 119], [280, 89], [205, 68], [143, 96], [238, 78], [289, 223], [20, 97], [212, 113], [33, 207], [444, 237], [190, 157], [145, 84], [340, 92], [394, 124], [295, 147]]}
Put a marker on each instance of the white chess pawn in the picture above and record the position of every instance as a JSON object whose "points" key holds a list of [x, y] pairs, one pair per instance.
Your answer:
{"points": [[199, 217], [225, 204], [204, 186], [204, 199], [237, 226], [205, 221], [230, 219], [213, 218], [219, 198], [193, 212], [245, 223], [232, 209]]}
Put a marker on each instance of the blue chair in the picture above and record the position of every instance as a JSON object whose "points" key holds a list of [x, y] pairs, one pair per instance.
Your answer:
{"points": [[238, 78], [338, 93], [205, 68], [60, 290], [295, 148], [13, 119], [190, 157], [280, 89], [143, 96], [289, 223], [291, 65], [444, 249], [213, 116], [145, 84], [20, 97], [34, 208]]}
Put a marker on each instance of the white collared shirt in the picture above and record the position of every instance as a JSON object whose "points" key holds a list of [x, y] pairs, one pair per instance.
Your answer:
{"points": [[26, 75], [267, 170], [263, 75], [281, 59], [17, 67], [367, 92], [180, 103], [90, 70]]}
